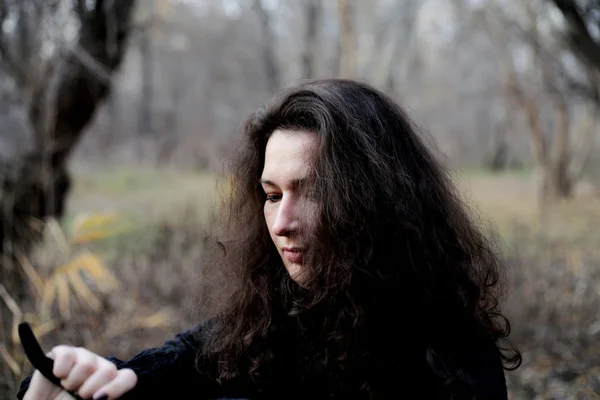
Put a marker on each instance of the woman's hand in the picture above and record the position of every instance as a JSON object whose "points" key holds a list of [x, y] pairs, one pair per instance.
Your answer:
{"points": [[82, 372]]}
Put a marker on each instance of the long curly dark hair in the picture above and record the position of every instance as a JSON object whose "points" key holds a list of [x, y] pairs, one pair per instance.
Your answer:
{"points": [[403, 278]]}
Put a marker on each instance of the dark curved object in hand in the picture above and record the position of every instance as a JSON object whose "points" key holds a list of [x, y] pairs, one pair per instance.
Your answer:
{"points": [[37, 357]]}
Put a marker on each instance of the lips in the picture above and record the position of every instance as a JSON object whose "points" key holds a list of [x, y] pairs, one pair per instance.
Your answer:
{"points": [[293, 254]]}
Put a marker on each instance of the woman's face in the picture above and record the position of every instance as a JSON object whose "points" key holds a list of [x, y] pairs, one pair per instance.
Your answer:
{"points": [[289, 210]]}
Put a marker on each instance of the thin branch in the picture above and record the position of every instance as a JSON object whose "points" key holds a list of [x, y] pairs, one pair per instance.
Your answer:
{"points": [[348, 56], [549, 57], [111, 29], [3, 13], [583, 90], [4, 52], [586, 144], [81, 9], [86, 59], [10, 302], [9, 359], [312, 12], [99, 6], [578, 36], [11, 65], [269, 59]]}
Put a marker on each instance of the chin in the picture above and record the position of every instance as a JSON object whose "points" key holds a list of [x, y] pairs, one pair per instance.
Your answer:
{"points": [[295, 271]]}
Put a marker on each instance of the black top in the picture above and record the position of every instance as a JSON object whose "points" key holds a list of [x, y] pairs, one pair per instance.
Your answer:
{"points": [[169, 372]]}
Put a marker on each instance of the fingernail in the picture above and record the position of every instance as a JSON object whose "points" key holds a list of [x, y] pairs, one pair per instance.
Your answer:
{"points": [[101, 397]]}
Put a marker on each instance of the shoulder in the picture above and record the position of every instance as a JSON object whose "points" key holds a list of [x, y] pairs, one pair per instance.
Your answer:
{"points": [[484, 369]]}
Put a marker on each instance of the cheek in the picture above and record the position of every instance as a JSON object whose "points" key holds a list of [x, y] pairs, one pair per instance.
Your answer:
{"points": [[311, 217], [269, 218]]}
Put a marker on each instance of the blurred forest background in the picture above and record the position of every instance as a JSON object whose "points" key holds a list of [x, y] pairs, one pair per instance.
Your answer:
{"points": [[116, 116]]}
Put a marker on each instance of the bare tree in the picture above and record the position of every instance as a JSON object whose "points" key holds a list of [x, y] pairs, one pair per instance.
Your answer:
{"points": [[577, 34], [393, 50], [312, 11], [348, 67], [268, 47], [545, 88], [145, 122], [60, 92]]}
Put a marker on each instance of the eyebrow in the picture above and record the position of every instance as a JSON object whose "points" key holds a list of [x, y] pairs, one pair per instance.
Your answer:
{"points": [[294, 183], [266, 182]]}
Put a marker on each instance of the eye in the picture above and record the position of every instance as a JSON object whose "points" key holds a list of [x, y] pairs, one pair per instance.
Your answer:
{"points": [[273, 197]]}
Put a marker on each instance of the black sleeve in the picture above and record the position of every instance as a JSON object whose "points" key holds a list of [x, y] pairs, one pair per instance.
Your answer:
{"points": [[486, 373], [164, 372]]}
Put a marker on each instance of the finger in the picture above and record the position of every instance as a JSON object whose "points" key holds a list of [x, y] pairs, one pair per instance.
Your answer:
{"points": [[86, 364], [64, 359], [125, 381], [105, 373]]}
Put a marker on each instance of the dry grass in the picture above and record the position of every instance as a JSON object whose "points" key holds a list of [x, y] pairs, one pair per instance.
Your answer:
{"points": [[554, 298], [154, 250]]}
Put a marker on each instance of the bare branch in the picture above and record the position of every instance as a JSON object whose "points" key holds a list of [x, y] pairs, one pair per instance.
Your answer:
{"points": [[312, 11], [3, 13], [582, 90], [96, 68], [99, 6], [585, 145], [80, 8], [270, 61], [348, 59], [8, 59], [80, 90], [578, 36], [4, 52], [393, 49], [111, 29], [558, 80]]}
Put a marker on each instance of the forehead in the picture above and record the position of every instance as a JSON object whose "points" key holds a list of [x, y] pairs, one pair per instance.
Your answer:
{"points": [[289, 154]]}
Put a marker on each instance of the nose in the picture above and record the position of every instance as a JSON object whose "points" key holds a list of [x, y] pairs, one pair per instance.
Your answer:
{"points": [[286, 221]]}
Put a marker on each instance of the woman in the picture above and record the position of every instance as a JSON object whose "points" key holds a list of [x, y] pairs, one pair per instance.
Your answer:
{"points": [[353, 271]]}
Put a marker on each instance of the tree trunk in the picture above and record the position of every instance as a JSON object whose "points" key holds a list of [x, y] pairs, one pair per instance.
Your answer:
{"points": [[311, 11], [561, 184], [584, 134], [34, 185], [557, 165], [348, 55], [578, 35], [145, 120], [497, 158], [268, 48]]}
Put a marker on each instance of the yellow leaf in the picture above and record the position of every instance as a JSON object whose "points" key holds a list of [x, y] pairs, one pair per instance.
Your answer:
{"points": [[64, 269], [102, 277], [33, 276], [87, 221], [96, 227], [83, 292], [156, 320], [93, 236], [39, 329], [43, 329], [15, 329]]}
